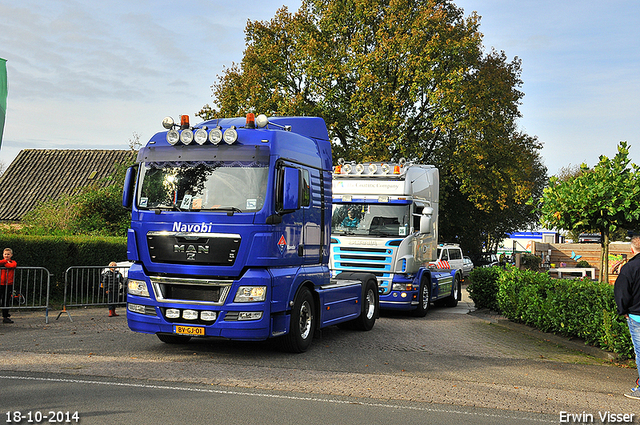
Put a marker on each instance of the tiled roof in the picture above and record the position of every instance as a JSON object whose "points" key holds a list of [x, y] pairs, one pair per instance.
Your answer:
{"points": [[36, 175]]}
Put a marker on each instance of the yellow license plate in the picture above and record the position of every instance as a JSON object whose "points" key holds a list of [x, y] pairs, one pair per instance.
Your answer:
{"points": [[188, 330]]}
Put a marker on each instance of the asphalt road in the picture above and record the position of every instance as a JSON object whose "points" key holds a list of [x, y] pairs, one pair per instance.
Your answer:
{"points": [[60, 398], [452, 364]]}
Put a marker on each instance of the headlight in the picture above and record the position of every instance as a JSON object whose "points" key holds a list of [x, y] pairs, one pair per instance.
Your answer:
{"points": [[173, 136], [401, 287], [248, 294], [138, 287], [230, 135], [215, 136], [186, 136], [200, 136]]}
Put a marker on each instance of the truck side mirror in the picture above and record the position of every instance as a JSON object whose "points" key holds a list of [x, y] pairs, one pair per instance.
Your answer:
{"points": [[129, 187], [291, 189], [425, 220]]}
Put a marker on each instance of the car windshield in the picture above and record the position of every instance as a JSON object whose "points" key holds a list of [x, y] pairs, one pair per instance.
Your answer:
{"points": [[388, 220], [188, 186]]}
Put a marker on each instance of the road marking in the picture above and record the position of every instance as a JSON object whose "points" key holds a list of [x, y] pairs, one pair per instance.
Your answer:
{"points": [[283, 397]]}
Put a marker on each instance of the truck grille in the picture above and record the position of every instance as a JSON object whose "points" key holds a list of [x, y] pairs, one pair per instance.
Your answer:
{"points": [[201, 291], [378, 261]]}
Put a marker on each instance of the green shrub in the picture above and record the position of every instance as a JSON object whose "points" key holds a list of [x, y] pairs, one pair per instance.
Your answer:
{"points": [[483, 287], [94, 211], [583, 264], [573, 308]]}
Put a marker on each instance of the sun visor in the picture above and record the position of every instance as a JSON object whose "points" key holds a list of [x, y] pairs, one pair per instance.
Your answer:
{"points": [[224, 153]]}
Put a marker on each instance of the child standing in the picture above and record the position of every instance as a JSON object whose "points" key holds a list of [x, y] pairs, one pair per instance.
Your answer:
{"points": [[7, 272], [111, 281]]}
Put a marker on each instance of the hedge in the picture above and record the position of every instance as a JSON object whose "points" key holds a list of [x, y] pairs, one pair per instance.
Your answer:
{"points": [[575, 308], [58, 253]]}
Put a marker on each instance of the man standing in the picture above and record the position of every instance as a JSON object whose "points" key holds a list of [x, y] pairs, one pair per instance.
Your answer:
{"points": [[627, 295]]}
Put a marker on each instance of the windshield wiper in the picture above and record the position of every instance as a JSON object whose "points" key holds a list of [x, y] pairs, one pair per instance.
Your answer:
{"points": [[230, 210]]}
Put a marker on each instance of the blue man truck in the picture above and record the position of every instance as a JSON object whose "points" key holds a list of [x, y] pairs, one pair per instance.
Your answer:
{"points": [[385, 222], [230, 232]]}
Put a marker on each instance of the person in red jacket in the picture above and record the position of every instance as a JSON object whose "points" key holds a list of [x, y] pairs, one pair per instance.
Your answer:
{"points": [[7, 272]]}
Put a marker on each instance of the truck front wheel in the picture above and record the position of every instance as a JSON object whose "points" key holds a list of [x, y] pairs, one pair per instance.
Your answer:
{"points": [[370, 305], [452, 300], [303, 323], [424, 299]]}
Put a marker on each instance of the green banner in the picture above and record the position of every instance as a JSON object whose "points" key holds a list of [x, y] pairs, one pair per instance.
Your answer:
{"points": [[3, 95]]}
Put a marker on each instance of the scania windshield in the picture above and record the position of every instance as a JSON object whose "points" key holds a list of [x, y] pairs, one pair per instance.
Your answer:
{"points": [[385, 220], [207, 185]]}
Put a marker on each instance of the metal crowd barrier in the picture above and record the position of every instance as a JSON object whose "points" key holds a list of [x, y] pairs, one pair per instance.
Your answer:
{"points": [[84, 286], [30, 290]]}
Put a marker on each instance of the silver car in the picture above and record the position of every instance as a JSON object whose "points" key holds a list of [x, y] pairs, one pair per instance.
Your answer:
{"points": [[467, 266]]}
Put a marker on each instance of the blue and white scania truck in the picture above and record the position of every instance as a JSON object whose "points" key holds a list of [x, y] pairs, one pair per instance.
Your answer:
{"points": [[230, 232], [385, 222]]}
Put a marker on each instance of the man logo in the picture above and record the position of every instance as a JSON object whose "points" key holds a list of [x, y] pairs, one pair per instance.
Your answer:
{"points": [[191, 250]]}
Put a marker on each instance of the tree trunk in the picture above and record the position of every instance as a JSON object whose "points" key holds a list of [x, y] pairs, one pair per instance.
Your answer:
{"points": [[604, 257]]}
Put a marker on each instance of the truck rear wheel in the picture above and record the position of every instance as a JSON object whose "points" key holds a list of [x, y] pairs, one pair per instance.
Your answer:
{"points": [[424, 299], [302, 324]]}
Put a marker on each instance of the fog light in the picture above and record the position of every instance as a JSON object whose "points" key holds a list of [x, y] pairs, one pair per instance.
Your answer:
{"points": [[403, 295], [190, 315], [172, 313], [136, 308], [250, 315], [208, 316]]}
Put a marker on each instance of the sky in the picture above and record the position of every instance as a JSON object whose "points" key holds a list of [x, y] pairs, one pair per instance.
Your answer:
{"points": [[92, 75]]}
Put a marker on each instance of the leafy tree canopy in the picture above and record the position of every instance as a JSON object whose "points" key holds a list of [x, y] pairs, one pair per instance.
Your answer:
{"points": [[95, 210], [393, 79], [605, 198]]}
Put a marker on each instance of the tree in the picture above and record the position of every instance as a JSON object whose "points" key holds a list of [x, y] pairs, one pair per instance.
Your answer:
{"points": [[605, 198], [394, 79]]}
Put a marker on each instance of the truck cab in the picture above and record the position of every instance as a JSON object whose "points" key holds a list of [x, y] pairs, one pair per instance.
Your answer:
{"points": [[385, 221], [230, 230]]}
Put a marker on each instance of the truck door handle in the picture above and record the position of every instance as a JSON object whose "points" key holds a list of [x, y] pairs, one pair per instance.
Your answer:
{"points": [[300, 250]]}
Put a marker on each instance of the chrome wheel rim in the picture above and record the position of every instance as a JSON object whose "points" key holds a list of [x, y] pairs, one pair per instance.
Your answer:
{"points": [[305, 320]]}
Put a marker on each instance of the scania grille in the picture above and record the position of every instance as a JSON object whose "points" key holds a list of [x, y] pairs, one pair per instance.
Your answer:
{"points": [[378, 261]]}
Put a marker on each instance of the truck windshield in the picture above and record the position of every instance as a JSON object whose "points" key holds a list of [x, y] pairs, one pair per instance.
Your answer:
{"points": [[388, 220], [186, 186]]}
